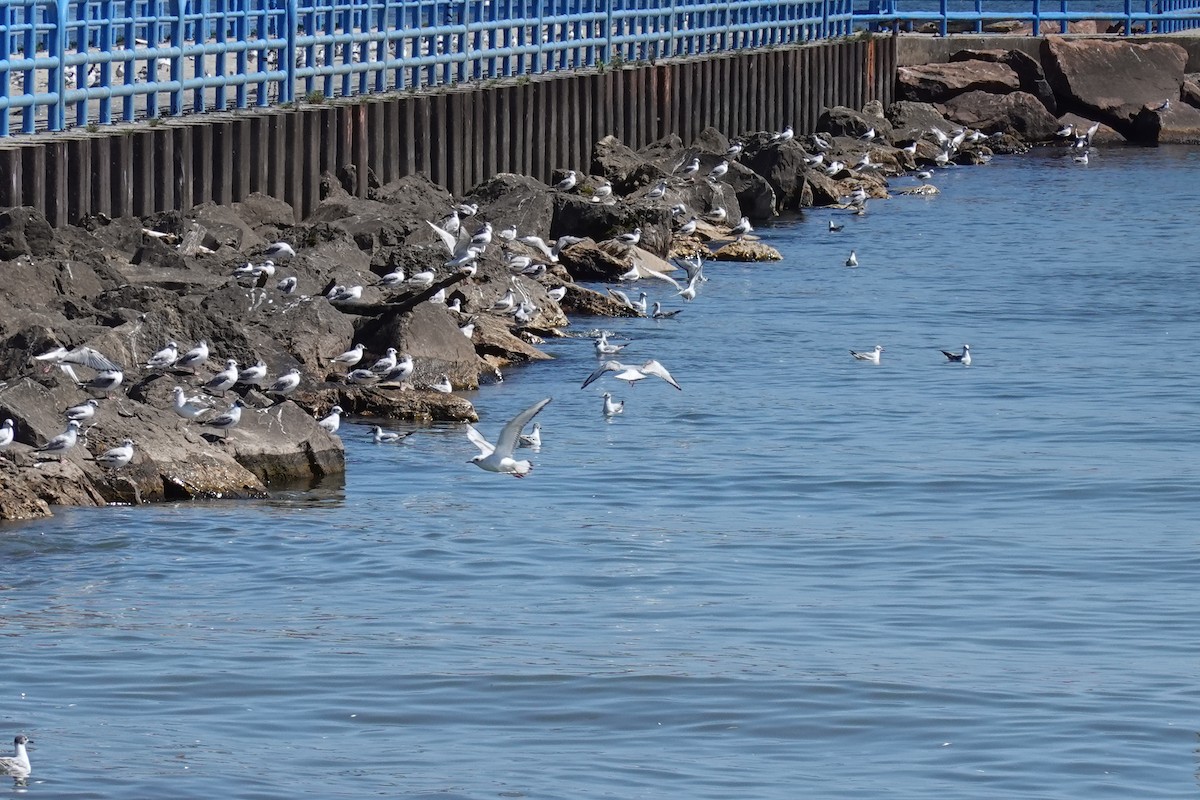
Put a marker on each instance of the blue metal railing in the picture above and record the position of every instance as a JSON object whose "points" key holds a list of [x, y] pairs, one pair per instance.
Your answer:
{"points": [[72, 63]]}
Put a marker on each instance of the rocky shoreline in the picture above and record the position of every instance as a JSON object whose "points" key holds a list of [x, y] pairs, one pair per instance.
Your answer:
{"points": [[471, 301]]}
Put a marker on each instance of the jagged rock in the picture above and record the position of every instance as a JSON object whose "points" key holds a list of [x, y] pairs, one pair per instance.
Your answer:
{"points": [[911, 120], [575, 215], [1112, 81], [1180, 124], [937, 83], [509, 199], [781, 164], [262, 212], [746, 250], [755, 197], [622, 167], [1103, 135], [223, 227], [1190, 92], [585, 261], [156, 253], [390, 401], [1018, 113], [589, 303], [24, 231], [1028, 69], [842, 121]]}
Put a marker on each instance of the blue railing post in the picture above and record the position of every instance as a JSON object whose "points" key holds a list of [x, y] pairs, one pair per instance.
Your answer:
{"points": [[291, 19], [177, 39], [1128, 17], [57, 47]]}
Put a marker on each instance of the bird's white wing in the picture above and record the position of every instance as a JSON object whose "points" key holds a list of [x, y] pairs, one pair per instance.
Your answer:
{"points": [[508, 436], [485, 447], [448, 238], [621, 296], [662, 276], [656, 369], [607, 366]]}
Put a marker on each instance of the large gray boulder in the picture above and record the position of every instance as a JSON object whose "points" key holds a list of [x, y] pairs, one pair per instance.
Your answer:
{"points": [[911, 120], [937, 83], [1112, 81]]}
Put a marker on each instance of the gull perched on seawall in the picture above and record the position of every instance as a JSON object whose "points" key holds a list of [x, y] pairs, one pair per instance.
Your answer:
{"points": [[631, 373], [499, 457], [17, 765], [870, 355], [963, 358]]}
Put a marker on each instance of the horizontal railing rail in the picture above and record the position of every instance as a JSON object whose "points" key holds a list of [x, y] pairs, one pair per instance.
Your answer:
{"points": [[83, 63]]}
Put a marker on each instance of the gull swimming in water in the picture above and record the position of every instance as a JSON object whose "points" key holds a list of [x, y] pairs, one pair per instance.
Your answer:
{"points": [[660, 314], [499, 457], [17, 765], [333, 420], [63, 442], [82, 412], [605, 348], [116, 457], [380, 436], [442, 384], [227, 419], [833, 228], [187, 407], [532, 439], [611, 409], [871, 355], [852, 261], [627, 372], [963, 358]]}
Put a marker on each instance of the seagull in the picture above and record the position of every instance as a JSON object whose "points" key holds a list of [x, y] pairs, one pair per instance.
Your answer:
{"points": [[227, 419], [361, 377], [658, 192], [1082, 158], [784, 135], [605, 348], [557, 293], [508, 234], [834, 167], [735, 149], [467, 329], [380, 436], [164, 358], [279, 249], [660, 314], [1164, 106], [963, 358], [602, 192], [506, 303], [400, 371], [392, 279], [815, 161], [385, 362], [105, 381], [835, 228], [718, 172], [923, 175], [611, 409], [1065, 131], [17, 765], [287, 285], [867, 135], [910, 148], [350, 357], [852, 261], [420, 280], [116, 457], [742, 228], [285, 384], [332, 421], [195, 357], [688, 228], [632, 274], [347, 294], [717, 214], [442, 384], [532, 439], [83, 355], [6, 434], [467, 209], [565, 185], [63, 442], [692, 167], [482, 237], [626, 372], [82, 412], [872, 356], [499, 457], [188, 407], [253, 376], [455, 305], [223, 380], [858, 196], [630, 239]]}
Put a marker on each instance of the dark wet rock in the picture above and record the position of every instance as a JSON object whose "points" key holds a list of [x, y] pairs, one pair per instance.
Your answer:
{"points": [[1112, 81], [590, 303], [1190, 91], [937, 83], [261, 212], [626, 170], [575, 215], [587, 262], [755, 196], [509, 199], [782, 165], [1018, 113]]}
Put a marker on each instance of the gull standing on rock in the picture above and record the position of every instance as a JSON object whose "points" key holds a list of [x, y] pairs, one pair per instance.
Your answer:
{"points": [[228, 419], [63, 442], [350, 357], [104, 382], [253, 376], [870, 355], [116, 457], [499, 457], [285, 384], [82, 412], [442, 384], [187, 407], [6, 434], [691, 168], [164, 358], [602, 192], [385, 362], [278, 250], [195, 357], [224, 380], [718, 172], [333, 420], [567, 183]]}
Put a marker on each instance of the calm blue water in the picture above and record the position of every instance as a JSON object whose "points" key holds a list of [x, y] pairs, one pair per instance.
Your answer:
{"points": [[800, 577]]}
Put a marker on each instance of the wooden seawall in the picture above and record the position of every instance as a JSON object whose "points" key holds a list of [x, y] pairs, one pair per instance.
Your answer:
{"points": [[458, 136]]}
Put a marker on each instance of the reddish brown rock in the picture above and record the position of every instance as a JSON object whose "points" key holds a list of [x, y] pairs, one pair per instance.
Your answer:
{"points": [[1018, 113], [1112, 81], [937, 83], [1179, 124]]}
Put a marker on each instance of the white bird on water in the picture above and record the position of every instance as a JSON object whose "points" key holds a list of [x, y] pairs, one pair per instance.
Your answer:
{"points": [[499, 457], [870, 355], [963, 358], [631, 373], [533, 439], [852, 261], [611, 409], [17, 765], [380, 436]]}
